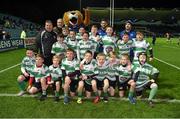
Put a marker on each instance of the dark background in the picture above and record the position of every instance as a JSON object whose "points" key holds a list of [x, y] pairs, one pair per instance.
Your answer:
{"points": [[40, 10]]}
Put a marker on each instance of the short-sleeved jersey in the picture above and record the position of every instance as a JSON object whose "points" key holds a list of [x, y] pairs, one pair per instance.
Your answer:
{"points": [[84, 46], [58, 48], [39, 72], [102, 71], [78, 37], [72, 43], [95, 42], [124, 73], [112, 70], [88, 69], [27, 63], [140, 46], [146, 71], [70, 66], [124, 48], [55, 72], [108, 44]]}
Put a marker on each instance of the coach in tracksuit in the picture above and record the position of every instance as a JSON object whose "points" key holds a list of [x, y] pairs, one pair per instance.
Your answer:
{"points": [[44, 41]]}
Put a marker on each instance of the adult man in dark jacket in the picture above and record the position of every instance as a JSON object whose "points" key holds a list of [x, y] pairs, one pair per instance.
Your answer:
{"points": [[44, 41]]}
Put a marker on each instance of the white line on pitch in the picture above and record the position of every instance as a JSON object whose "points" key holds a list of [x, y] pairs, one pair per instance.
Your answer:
{"points": [[9, 68], [113, 98], [176, 67]]}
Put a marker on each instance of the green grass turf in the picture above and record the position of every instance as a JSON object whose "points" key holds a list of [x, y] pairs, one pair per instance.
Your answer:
{"points": [[32, 108]]}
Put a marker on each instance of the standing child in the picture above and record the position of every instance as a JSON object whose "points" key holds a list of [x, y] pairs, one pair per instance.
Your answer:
{"points": [[59, 47], [108, 41], [141, 45], [124, 46], [102, 81], [87, 67], [56, 75], [84, 45], [26, 65], [39, 75]]}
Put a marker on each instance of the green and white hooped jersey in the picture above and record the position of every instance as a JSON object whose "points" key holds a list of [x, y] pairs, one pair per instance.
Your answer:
{"points": [[70, 66], [96, 43], [55, 72], [88, 69], [139, 46], [112, 70], [58, 48], [124, 73], [146, 71], [72, 43], [84, 46], [108, 44], [27, 64], [39, 72], [102, 71], [124, 48], [78, 37]]}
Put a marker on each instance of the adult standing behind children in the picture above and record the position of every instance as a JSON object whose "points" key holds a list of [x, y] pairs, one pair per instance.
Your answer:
{"points": [[44, 41]]}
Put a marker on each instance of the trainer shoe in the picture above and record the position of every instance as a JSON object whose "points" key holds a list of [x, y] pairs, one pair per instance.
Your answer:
{"points": [[21, 93], [151, 104], [42, 97], [79, 101], [105, 99], [66, 99], [56, 99], [96, 100], [132, 100]]}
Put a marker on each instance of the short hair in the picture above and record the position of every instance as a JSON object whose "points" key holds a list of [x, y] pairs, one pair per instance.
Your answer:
{"points": [[39, 55], [112, 53], [70, 50], [125, 55], [94, 26], [125, 33], [88, 51], [49, 21], [86, 33], [56, 57], [60, 35], [139, 33], [31, 49], [101, 55]]}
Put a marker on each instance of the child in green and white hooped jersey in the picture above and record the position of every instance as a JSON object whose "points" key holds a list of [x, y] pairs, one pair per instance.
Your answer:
{"points": [[124, 45], [124, 72], [59, 47], [95, 38], [26, 64], [39, 75], [112, 65], [80, 33], [56, 76], [71, 73], [141, 45], [147, 75], [108, 41], [84, 45], [72, 41], [102, 80], [87, 67]]}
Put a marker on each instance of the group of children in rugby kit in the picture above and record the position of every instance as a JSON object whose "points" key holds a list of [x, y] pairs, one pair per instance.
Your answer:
{"points": [[92, 64]]}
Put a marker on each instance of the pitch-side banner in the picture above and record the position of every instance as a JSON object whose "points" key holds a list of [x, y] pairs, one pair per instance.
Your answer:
{"points": [[9, 44]]}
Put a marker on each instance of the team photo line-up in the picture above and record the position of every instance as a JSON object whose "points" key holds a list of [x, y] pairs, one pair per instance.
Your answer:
{"points": [[94, 63]]}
